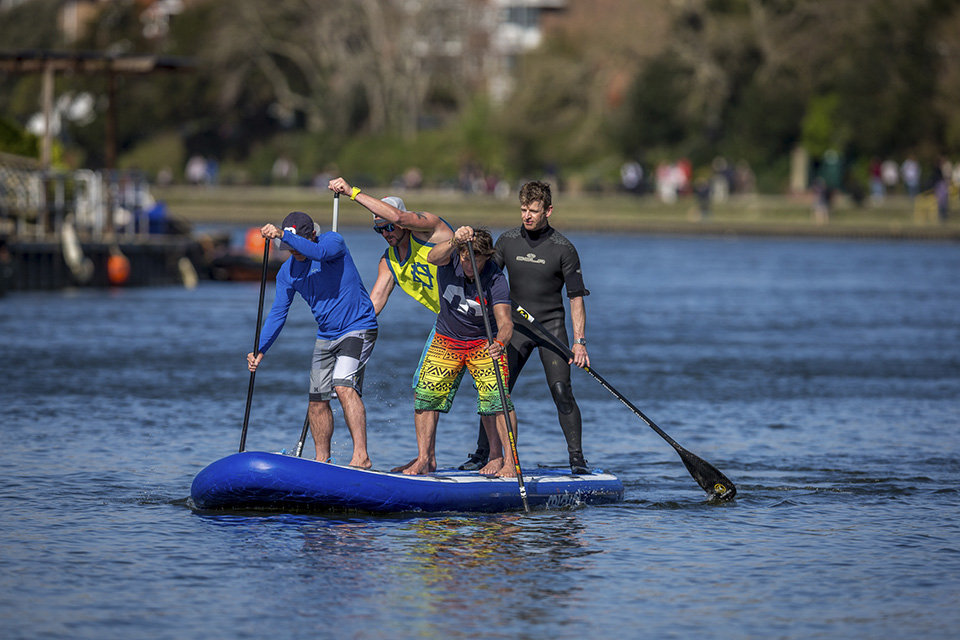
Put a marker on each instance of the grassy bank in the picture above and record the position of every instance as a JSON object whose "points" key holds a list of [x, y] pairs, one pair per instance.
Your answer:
{"points": [[747, 215]]}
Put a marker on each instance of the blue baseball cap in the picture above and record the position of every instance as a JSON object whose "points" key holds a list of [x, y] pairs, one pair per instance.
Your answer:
{"points": [[299, 224]]}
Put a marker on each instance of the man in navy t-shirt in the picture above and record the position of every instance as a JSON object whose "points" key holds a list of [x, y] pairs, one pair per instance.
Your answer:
{"points": [[460, 341]]}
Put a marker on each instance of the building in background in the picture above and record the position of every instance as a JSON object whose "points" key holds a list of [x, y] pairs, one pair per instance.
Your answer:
{"points": [[517, 29]]}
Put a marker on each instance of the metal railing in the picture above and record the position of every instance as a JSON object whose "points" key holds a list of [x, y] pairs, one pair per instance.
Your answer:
{"points": [[35, 204]]}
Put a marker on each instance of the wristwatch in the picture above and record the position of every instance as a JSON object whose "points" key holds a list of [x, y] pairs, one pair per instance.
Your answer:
{"points": [[582, 341]]}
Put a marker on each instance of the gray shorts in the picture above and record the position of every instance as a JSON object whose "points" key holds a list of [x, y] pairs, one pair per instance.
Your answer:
{"points": [[340, 363]]}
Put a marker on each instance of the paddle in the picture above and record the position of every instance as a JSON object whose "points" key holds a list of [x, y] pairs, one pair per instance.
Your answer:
{"points": [[717, 485], [306, 420], [256, 341], [496, 369]]}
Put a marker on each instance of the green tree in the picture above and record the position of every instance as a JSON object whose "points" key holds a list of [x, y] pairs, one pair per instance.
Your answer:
{"points": [[752, 77], [16, 141]]}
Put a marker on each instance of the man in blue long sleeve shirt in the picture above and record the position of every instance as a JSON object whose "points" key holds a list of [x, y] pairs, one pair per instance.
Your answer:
{"points": [[322, 271]]}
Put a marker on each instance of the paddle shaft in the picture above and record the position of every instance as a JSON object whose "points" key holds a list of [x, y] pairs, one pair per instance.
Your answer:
{"points": [[303, 433], [707, 476], [306, 420], [256, 341], [500, 387]]}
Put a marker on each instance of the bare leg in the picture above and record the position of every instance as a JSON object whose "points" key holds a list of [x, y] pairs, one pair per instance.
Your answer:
{"points": [[405, 466], [321, 427], [355, 415], [426, 461], [495, 461], [509, 469]]}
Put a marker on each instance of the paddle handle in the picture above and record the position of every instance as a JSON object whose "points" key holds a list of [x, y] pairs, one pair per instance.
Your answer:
{"points": [[336, 212]]}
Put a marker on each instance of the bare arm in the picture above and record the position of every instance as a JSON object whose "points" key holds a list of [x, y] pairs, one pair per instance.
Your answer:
{"points": [[578, 314], [442, 253], [382, 287], [413, 220], [504, 329]]}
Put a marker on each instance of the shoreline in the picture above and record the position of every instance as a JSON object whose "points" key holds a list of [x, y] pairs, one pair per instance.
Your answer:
{"points": [[755, 215]]}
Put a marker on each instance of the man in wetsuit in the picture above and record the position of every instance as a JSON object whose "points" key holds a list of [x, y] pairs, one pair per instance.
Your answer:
{"points": [[539, 262]]}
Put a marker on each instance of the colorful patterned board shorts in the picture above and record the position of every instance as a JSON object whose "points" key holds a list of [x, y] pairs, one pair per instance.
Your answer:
{"points": [[441, 370], [416, 374]]}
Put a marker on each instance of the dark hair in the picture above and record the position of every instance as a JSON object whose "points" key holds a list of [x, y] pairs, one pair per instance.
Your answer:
{"points": [[482, 243], [536, 191]]}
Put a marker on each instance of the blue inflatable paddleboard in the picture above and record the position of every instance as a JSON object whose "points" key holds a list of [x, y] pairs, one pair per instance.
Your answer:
{"points": [[275, 482]]}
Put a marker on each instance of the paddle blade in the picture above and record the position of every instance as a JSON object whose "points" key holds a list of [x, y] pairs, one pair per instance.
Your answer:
{"points": [[717, 485]]}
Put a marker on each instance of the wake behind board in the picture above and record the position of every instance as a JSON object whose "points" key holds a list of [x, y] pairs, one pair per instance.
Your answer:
{"points": [[275, 482]]}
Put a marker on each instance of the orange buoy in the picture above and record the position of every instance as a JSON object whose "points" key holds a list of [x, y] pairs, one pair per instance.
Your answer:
{"points": [[118, 269], [253, 242]]}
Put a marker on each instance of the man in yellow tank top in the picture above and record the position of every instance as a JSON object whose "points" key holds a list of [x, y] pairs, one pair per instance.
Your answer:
{"points": [[410, 235]]}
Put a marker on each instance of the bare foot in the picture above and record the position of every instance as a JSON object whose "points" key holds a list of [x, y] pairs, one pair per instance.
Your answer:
{"points": [[362, 463], [402, 467], [492, 467], [419, 468], [508, 471]]}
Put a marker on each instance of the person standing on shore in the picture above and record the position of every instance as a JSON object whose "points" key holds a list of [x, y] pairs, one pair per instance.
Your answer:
{"points": [[322, 271], [540, 263], [910, 173]]}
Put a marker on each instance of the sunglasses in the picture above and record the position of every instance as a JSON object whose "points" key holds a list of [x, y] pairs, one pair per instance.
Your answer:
{"points": [[387, 227]]}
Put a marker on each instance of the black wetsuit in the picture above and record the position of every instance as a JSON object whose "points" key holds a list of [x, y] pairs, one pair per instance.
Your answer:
{"points": [[539, 264]]}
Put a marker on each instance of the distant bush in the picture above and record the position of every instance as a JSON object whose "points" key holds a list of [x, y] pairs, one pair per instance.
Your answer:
{"points": [[16, 141], [163, 151]]}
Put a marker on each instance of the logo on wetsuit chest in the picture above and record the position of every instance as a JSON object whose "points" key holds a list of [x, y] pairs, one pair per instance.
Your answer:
{"points": [[531, 257]]}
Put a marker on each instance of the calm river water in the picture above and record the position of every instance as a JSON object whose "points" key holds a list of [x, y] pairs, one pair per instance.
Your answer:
{"points": [[822, 377]]}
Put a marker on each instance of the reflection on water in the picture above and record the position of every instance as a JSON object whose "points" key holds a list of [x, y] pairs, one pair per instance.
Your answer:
{"points": [[433, 573]]}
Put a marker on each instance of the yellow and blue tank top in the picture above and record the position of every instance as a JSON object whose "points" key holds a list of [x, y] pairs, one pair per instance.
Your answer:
{"points": [[416, 276]]}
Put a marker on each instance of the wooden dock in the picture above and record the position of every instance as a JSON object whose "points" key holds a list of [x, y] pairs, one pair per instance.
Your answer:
{"points": [[32, 266], [87, 229]]}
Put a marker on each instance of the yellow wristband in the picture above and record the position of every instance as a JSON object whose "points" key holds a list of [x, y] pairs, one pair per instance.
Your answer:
{"points": [[353, 194]]}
